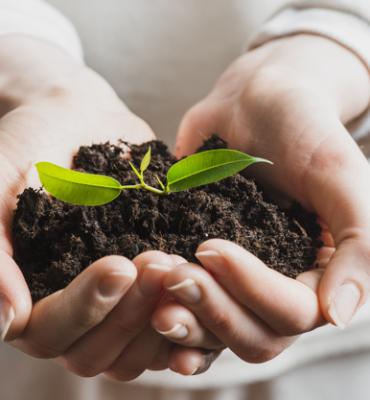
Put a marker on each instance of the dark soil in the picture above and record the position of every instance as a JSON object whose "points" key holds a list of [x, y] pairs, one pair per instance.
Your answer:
{"points": [[55, 241]]}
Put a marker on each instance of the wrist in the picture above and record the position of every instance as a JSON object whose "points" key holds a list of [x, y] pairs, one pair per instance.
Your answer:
{"points": [[31, 67], [323, 66], [36, 71]]}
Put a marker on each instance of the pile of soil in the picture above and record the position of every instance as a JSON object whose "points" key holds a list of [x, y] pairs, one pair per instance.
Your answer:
{"points": [[55, 241]]}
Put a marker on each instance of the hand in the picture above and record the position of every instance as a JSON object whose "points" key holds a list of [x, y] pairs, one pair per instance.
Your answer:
{"points": [[286, 101], [99, 323]]}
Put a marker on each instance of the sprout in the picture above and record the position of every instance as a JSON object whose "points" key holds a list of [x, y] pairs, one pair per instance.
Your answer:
{"points": [[193, 171]]}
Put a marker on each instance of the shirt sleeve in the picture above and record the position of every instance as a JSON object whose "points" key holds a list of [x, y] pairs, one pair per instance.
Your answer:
{"points": [[344, 21], [38, 19]]}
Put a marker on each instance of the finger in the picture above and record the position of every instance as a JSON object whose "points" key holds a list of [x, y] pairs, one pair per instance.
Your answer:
{"points": [[337, 185], [137, 357], [160, 361], [177, 260], [15, 299], [326, 236], [234, 325], [60, 319], [198, 124], [312, 278], [190, 361], [178, 324], [98, 349], [324, 255], [345, 284], [287, 305]]}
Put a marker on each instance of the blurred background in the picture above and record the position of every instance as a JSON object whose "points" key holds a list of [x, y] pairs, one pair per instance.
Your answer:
{"points": [[162, 56]]}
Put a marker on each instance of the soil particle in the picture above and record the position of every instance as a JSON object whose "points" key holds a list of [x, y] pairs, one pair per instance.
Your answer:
{"points": [[55, 241]]}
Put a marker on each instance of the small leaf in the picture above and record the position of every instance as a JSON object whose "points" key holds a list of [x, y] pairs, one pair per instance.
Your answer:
{"points": [[160, 182], [137, 173], [207, 167], [77, 187], [146, 160]]}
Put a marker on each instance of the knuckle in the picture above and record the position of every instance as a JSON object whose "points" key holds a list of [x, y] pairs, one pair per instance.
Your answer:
{"points": [[127, 329], [219, 321], [80, 368], [88, 315]]}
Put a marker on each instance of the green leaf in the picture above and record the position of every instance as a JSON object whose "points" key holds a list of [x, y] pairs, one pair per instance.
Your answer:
{"points": [[160, 182], [207, 167], [146, 160], [137, 173], [77, 187]]}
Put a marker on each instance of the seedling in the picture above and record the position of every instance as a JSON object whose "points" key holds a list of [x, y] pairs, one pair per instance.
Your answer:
{"points": [[195, 170]]}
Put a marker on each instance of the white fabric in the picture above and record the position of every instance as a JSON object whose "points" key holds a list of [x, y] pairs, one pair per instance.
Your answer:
{"points": [[346, 29], [38, 19], [161, 57]]}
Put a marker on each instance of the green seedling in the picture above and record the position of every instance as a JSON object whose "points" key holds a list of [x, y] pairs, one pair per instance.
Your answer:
{"points": [[195, 170]]}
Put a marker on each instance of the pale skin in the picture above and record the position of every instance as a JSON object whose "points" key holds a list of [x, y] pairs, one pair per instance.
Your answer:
{"points": [[93, 325], [286, 101]]}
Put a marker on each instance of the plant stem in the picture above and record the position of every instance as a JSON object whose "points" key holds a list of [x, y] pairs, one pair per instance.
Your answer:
{"points": [[138, 186], [153, 189], [143, 185]]}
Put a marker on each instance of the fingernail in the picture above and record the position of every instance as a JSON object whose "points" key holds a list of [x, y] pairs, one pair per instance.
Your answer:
{"points": [[344, 304], [213, 260], [187, 290], [115, 283], [158, 267], [195, 371], [151, 278], [209, 357], [190, 372], [7, 316], [179, 331], [322, 262]]}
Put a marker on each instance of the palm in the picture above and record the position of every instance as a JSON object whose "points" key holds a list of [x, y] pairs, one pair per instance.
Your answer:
{"points": [[285, 122], [52, 128], [276, 106]]}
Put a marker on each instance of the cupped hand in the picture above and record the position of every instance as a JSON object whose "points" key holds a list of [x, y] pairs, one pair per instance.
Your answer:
{"points": [[237, 301], [100, 322], [287, 101]]}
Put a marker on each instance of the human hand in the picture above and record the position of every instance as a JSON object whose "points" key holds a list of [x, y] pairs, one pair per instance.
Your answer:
{"points": [[287, 101], [99, 323]]}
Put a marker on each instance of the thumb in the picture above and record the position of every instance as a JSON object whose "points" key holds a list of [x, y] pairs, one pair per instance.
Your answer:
{"points": [[345, 285], [338, 184], [197, 125], [15, 299]]}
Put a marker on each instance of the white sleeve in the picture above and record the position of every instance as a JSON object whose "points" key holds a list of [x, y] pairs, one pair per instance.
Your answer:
{"points": [[344, 21], [38, 19]]}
